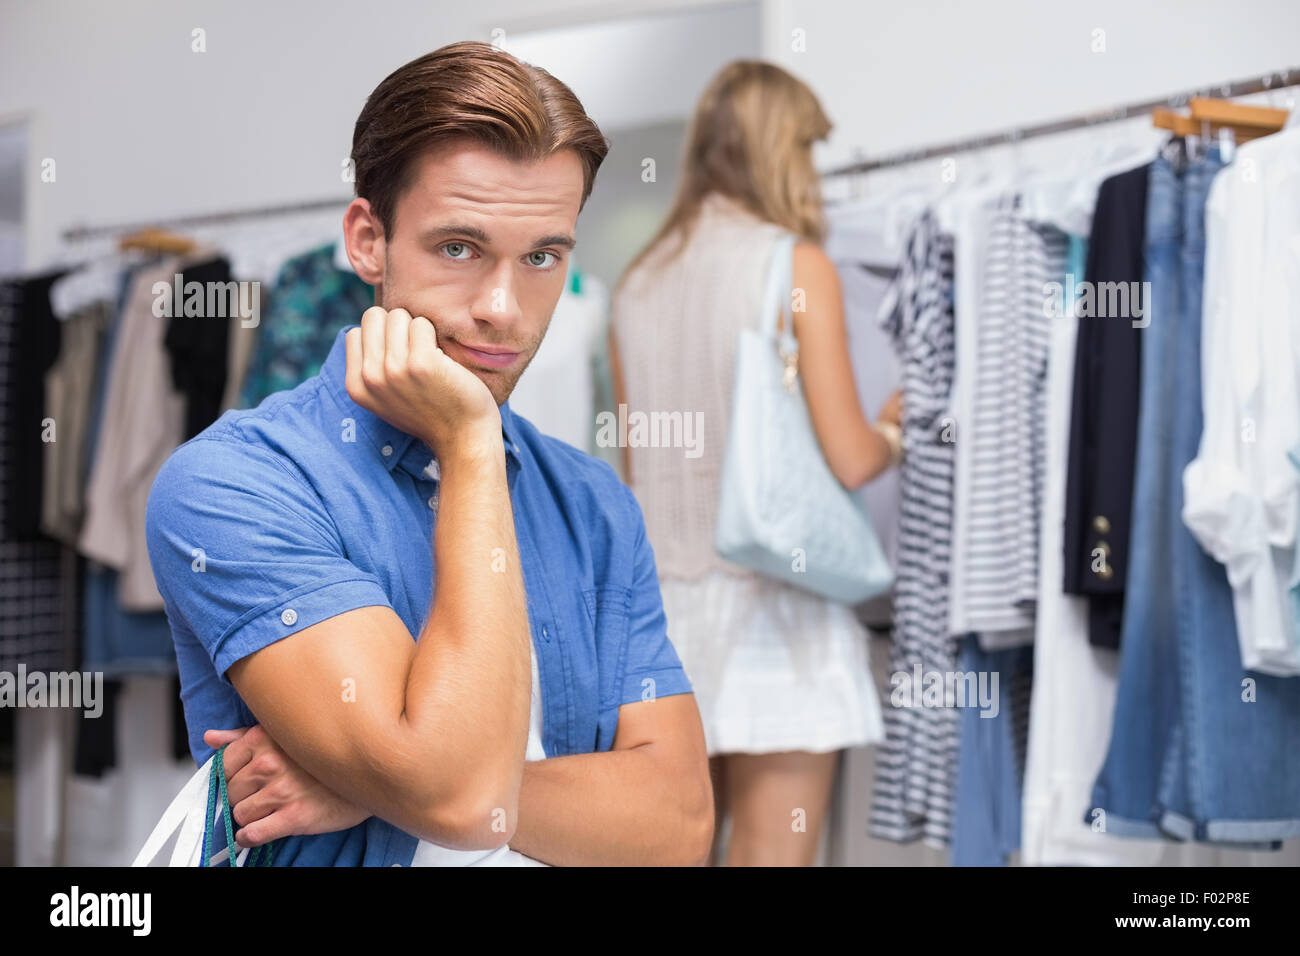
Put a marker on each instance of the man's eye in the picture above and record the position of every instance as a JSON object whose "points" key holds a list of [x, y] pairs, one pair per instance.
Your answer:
{"points": [[452, 247], [543, 264]]}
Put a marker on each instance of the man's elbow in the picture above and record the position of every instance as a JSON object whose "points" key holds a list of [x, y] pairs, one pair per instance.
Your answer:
{"points": [[482, 816], [459, 810], [696, 843], [487, 823]]}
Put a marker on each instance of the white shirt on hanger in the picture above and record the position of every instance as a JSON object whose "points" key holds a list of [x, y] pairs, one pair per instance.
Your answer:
{"points": [[1241, 491], [964, 213]]}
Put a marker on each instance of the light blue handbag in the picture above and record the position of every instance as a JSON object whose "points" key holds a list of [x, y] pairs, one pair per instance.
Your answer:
{"points": [[781, 512]]}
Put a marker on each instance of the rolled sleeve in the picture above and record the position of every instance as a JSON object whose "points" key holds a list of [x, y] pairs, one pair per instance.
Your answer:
{"points": [[244, 552], [652, 668]]}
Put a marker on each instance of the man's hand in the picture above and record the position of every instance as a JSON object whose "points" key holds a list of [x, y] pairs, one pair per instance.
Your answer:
{"points": [[271, 796], [397, 371]]}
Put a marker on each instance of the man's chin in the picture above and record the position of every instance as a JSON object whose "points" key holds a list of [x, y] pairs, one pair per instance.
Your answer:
{"points": [[497, 383]]}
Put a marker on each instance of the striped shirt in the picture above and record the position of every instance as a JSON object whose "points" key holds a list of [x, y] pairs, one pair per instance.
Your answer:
{"points": [[913, 789], [996, 533]]}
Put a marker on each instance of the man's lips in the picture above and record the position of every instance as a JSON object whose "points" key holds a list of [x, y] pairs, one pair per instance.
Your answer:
{"points": [[491, 356]]}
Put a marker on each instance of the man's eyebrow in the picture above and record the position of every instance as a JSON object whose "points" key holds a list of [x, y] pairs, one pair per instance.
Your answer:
{"points": [[478, 235]]}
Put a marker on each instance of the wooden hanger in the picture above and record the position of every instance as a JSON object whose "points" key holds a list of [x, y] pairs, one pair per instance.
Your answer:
{"points": [[1176, 123], [152, 239], [1208, 115], [1239, 116]]}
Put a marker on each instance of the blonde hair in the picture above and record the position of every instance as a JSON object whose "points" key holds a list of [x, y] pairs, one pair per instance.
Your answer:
{"points": [[751, 139]]}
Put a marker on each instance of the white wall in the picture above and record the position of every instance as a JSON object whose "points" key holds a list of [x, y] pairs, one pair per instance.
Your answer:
{"points": [[899, 75], [140, 126]]}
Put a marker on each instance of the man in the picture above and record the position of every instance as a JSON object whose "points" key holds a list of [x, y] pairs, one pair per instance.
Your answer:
{"points": [[301, 545]]}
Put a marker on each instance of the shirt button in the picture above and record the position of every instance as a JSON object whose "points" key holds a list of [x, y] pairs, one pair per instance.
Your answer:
{"points": [[433, 501], [387, 450], [432, 469], [289, 616]]}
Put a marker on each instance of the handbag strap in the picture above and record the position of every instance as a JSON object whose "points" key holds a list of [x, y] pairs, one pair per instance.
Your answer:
{"points": [[776, 296]]}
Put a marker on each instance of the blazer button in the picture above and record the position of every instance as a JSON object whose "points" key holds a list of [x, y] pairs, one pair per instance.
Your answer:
{"points": [[1106, 572], [1100, 524]]}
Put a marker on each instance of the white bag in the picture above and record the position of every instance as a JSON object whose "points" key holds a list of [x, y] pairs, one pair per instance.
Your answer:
{"points": [[778, 500], [188, 812]]}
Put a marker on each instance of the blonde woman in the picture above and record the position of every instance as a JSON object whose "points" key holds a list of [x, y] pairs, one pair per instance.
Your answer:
{"points": [[781, 676]]}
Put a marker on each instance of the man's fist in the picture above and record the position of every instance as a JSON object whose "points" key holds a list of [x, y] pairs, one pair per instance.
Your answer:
{"points": [[397, 371]]}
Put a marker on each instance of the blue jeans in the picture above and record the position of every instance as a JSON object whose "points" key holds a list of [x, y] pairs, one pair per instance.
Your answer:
{"points": [[990, 760], [1200, 750]]}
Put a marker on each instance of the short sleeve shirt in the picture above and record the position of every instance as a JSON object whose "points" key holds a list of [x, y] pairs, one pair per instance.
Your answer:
{"points": [[278, 517]]}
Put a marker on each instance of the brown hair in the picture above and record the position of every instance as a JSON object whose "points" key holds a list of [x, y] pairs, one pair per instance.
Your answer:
{"points": [[472, 90], [750, 139]]}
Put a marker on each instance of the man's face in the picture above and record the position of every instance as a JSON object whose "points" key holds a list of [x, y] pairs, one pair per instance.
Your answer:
{"points": [[480, 247]]}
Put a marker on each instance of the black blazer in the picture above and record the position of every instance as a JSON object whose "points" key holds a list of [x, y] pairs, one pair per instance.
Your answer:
{"points": [[1104, 413]]}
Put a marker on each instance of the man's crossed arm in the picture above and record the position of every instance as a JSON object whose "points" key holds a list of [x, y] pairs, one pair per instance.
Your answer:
{"points": [[645, 802], [433, 734]]}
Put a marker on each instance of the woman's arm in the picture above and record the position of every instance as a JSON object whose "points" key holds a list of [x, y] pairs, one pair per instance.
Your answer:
{"points": [[855, 450], [620, 398]]}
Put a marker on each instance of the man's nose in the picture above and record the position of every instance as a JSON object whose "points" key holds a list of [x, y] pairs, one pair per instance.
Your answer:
{"points": [[495, 300]]}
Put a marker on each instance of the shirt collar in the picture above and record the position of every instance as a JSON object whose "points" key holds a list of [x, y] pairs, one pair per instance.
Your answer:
{"points": [[393, 446]]}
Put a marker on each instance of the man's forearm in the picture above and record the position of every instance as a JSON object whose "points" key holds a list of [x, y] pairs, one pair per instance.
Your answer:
{"points": [[615, 808], [470, 676]]}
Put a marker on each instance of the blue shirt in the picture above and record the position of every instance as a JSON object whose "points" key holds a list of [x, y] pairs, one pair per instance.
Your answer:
{"points": [[275, 518]]}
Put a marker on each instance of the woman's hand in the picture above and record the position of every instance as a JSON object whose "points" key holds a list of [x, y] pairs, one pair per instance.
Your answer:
{"points": [[271, 796], [890, 425], [893, 409]]}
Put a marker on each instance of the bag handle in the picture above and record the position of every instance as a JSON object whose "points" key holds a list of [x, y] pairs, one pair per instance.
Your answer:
{"points": [[776, 297], [173, 817], [217, 787]]}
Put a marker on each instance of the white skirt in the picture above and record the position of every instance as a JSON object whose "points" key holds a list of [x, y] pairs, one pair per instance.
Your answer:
{"points": [[774, 668]]}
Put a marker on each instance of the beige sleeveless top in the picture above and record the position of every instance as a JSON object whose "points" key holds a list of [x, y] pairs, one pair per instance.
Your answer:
{"points": [[676, 322]]}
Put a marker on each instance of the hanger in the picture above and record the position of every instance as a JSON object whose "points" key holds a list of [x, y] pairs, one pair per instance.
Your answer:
{"points": [[1245, 122], [152, 239], [1209, 116]]}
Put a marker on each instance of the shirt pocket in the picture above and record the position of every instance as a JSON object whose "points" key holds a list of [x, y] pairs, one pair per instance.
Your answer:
{"points": [[607, 614]]}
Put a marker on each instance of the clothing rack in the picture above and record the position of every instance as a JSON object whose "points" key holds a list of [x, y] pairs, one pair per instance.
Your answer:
{"points": [[1257, 84], [79, 233]]}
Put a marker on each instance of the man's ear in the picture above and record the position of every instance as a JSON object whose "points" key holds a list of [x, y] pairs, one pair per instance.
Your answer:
{"points": [[363, 238]]}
